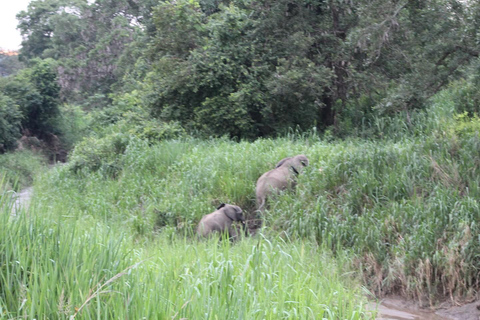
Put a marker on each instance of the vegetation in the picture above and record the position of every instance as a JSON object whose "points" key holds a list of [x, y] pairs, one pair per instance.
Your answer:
{"points": [[417, 187], [10, 119], [241, 69], [31, 98], [169, 108], [9, 63], [78, 267], [18, 169], [249, 69]]}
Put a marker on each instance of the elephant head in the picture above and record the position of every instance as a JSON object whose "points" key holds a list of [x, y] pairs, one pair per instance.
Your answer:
{"points": [[221, 221], [235, 213], [297, 162], [281, 178]]}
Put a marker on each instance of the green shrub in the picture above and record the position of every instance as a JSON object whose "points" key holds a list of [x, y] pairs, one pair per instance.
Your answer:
{"points": [[72, 125], [10, 120], [128, 115], [466, 126], [19, 168], [465, 96], [104, 154], [37, 93]]}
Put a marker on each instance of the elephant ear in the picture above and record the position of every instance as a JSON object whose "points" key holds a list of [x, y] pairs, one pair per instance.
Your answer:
{"points": [[234, 213], [221, 206], [281, 162], [239, 212]]}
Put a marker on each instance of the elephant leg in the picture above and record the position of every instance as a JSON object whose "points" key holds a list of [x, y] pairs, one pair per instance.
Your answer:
{"points": [[233, 234]]}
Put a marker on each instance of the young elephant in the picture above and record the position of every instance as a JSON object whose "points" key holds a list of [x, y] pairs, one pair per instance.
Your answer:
{"points": [[221, 221], [280, 178]]}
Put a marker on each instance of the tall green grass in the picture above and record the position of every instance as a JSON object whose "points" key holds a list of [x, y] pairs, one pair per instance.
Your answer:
{"points": [[19, 168], [173, 183], [56, 266], [405, 206]]}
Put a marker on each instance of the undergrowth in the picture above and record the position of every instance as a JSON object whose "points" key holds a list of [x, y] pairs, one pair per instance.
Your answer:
{"points": [[18, 169], [62, 266], [403, 205]]}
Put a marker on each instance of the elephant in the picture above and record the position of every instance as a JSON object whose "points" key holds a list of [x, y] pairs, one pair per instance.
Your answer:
{"points": [[221, 221], [281, 178]]}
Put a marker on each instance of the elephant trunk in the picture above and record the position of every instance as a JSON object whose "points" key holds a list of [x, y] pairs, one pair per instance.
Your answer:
{"points": [[245, 228]]}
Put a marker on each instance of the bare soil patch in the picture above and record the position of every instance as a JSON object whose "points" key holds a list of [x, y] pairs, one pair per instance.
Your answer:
{"points": [[22, 199], [397, 308]]}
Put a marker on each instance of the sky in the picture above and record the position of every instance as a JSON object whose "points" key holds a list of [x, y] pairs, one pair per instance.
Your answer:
{"points": [[10, 38]]}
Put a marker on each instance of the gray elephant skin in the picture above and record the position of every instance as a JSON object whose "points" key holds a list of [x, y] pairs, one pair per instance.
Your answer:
{"points": [[281, 178], [221, 221]]}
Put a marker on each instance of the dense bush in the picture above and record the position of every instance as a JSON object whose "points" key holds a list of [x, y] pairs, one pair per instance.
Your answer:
{"points": [[223, 80], [30, 102], [104, 154], [10, 119], [128, 114], [18, 169], [113, 130], [36, 91], [466, 96], [9, 64], [73, 125]]}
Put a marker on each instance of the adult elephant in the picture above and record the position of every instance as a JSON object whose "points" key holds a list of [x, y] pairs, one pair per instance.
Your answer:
{"points": [[221, 221], [282, 177]]}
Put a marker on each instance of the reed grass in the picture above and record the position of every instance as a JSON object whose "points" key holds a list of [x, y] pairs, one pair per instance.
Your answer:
{"points": [[19, 168], [404, 206], [61, 267]]}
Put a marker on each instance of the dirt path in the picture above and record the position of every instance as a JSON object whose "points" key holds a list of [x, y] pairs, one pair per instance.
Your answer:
{"points": [[470, 311], [22, 199], [399, 309]]}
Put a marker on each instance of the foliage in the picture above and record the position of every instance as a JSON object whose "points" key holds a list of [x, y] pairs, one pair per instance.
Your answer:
{"points": [[87, 40], [466, 126], [79, 267], [465, 96], [145, 73], [72, 124], [100, 154], [33, 110], [419, 188], [103, 153], [221, 82], [9, 64], [111, 130], [127, 114], [35, 90], [249, 69], [10, 119], [18, 169]]}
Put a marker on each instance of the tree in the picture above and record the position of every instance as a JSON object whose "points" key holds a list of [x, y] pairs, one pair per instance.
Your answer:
{"points": [[253, 68], [87, 40], [414, 48], [10, 118], [232, 74], [9, 63], [36, 92]]}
